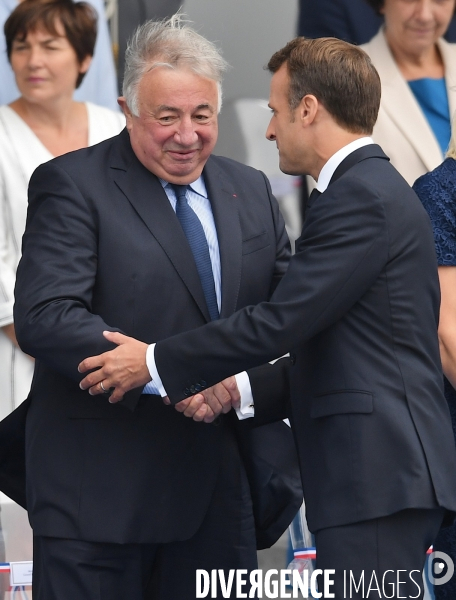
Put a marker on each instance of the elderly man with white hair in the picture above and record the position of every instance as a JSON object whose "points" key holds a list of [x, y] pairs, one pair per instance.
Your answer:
{"points": [[151, 235]]}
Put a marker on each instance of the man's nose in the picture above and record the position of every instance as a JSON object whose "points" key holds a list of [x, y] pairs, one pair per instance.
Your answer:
{"points": [[270, 132], [186, 133]]}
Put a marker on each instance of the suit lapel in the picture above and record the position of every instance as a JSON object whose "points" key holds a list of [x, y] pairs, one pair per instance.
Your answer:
{"points": [[145, 193], [449, 60], [401, 106], [224, 202]]}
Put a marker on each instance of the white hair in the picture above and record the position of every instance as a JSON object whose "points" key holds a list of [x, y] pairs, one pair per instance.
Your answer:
{"points": [[173, 44]]}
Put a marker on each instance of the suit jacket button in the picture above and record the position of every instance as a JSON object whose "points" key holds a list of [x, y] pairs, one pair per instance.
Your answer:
{"points": [[187, 392], [292, 359], [193, 389], [203, 384], [198, 388]]}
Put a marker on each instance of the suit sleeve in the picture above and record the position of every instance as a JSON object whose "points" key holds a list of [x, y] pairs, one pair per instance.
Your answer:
{"points": [[270, 387], [342, 251], [57, 274]]}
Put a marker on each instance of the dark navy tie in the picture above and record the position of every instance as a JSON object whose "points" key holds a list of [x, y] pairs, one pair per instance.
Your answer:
{"points": [[313, 196], [310, 200], [198, 243]]}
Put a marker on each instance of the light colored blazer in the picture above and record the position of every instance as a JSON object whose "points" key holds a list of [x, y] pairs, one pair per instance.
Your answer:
{"points": [[402, 130]]}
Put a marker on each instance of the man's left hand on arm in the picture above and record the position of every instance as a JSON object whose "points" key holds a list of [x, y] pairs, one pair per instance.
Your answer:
{"points": [[123, 368]]}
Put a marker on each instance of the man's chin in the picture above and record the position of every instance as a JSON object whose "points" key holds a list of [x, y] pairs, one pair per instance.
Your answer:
{"points": [[288, 170], [183, 174]]}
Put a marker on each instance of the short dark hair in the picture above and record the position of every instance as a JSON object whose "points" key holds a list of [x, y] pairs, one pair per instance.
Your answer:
{"points": [[79, 21], [341, 76]]}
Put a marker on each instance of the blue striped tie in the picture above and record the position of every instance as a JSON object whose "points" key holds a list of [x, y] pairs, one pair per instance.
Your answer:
{"points": [[198, 244]]}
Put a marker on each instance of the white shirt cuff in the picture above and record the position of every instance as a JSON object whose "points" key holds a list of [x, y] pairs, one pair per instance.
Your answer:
{"points": [[246, 410], [150, 362]]}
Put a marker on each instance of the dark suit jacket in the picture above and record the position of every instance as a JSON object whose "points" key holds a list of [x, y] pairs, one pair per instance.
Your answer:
{"points": [[358, 307], [103, 249], [351, 20]]}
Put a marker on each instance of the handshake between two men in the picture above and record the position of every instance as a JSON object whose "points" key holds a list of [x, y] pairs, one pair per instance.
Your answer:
{"points": [[125, 368]]}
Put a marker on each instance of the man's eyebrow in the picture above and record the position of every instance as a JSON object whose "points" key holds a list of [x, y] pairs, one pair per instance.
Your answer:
{"points": [[168, 108], [165, 107], [205, 107]]}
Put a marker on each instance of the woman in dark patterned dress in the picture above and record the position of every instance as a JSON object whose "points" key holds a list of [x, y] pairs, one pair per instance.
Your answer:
{"points": [[437, 192]]}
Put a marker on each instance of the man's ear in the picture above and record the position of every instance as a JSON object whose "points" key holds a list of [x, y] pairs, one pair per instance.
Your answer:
{"points": [[126, 111], [307, 109]]}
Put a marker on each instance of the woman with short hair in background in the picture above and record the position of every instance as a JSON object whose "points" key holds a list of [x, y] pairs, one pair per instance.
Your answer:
{"points": [[417, 68], [100, 84]]}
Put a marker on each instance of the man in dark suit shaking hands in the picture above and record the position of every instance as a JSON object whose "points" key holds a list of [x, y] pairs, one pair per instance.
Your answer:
{"points": [[358, 310], [148, 233]]}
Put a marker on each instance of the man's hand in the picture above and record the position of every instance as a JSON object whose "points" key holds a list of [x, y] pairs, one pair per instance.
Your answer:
{"points": [[207, 405], [123, 368]]}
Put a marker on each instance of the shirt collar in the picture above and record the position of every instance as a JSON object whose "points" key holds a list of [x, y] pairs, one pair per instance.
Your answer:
{"points": [[197, 186], [329, 168]]}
